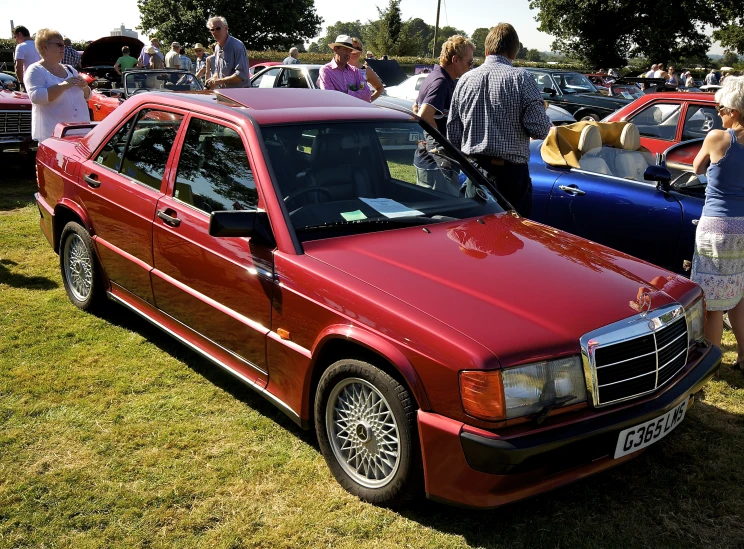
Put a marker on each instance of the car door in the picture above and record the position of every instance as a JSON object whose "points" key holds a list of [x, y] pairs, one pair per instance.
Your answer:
{"points": [[630, 216], [218, 287], [119, 188], [266, 79], [658, 124]]}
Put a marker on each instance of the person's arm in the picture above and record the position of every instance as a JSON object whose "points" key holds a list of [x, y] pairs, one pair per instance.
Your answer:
{"points": [[534, 119], [426, 112], [19, 70], [324, 78], [117, 67], [711, 142], [240, 72], [41, 94], [374, 80]]}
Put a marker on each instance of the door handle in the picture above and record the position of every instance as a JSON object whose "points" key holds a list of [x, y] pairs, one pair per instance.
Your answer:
{"points": [[92, 180], [695, 221], [571, 190], [169, 220]]}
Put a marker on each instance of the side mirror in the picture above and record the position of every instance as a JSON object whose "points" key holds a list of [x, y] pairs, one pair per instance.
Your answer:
{"points": [[252, 224], [659, 174], [551, 91]]}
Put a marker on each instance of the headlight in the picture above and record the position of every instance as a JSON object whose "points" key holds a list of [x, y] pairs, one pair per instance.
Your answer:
{"points": [[695, 316], [523, 390]]}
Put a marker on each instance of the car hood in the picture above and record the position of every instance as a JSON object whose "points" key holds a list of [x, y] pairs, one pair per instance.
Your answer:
{"points": [[14, 100], [105, 51], [522, 290], [600, 99]]}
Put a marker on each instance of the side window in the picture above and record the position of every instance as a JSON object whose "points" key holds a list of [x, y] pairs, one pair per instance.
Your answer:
{"points": [[213, 171], [542, 79], [283, 80], [150, 145], [266, 80], [658, 121], [112, 152], [295, 78], [700, 119]]}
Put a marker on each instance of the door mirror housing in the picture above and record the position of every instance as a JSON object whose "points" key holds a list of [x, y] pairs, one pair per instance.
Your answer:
{"points": [[253, 224], [660, 174]]}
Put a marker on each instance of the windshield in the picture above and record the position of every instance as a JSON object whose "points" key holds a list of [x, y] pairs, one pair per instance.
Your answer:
{"points": [[573, 82], [627, 91], [352, 177], [160, 80]]}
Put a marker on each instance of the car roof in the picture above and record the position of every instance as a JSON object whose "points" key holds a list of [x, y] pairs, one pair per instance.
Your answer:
{"points": [[682, 96], [548, 69], [279, 105]]}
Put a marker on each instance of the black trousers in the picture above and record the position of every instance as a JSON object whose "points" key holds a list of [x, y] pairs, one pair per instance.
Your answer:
{"points": [[512, 181]]}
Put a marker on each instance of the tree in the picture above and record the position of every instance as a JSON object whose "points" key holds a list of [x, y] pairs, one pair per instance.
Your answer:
{"points": [[729, 59], [533, 55], [260, 24], [391, 35], [349, 28], [426, 31], [442, 36], [479, 38], [522, 53], [604, 33]]}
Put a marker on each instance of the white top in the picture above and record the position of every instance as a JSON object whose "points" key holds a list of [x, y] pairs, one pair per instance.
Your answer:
{"points": [[27, 52], [70, 106]]}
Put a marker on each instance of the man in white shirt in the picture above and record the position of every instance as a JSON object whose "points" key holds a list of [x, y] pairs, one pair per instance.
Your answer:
{"points": [[650, 74], [173, 57], [660, 72], [25, 52]]}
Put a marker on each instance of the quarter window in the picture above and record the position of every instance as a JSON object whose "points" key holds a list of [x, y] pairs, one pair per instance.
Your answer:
{"points": [[658, 121], [112, 152], [150, 145], [700, 119], [266, 80], [213, 171]]}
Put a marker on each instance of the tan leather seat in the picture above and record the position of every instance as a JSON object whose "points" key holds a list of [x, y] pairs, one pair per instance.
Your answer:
{"points": [[590, 141], [629, 163]]}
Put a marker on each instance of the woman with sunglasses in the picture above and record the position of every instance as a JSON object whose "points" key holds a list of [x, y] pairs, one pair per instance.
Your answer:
{"points": [[718, 261], [370, 76], [57, 92]]}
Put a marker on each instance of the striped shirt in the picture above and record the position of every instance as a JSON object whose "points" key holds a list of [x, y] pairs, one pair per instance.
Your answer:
{"points": [[348, 80], [71, 57], [495, 110]]}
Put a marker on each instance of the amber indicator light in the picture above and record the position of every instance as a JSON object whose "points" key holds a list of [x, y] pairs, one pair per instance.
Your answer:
{"points": [[284, 334], [482, 394]]}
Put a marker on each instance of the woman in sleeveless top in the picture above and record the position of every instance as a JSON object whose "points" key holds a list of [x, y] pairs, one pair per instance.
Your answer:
{"points": [[57, 92], [718, 262], [373, 81]]}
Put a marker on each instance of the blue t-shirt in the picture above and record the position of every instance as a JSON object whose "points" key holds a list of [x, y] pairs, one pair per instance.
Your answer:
{"points": [[436, 91], [724, 195]]}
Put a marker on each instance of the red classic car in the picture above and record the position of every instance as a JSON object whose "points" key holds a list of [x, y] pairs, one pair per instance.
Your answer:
{"points": [[434, 340], [99, 57], [664, 119], [15, 119]]}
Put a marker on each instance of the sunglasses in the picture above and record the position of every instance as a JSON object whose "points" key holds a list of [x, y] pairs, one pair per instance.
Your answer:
{"points": [[58, 44], [215, 29], [721, 108]]}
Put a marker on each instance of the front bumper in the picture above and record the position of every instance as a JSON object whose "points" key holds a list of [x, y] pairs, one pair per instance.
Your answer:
{"points": [[18, 145], [476, 468]]}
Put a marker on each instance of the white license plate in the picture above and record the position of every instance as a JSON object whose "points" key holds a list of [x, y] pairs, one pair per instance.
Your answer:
{"points": [[413, 137], [633, 439]]}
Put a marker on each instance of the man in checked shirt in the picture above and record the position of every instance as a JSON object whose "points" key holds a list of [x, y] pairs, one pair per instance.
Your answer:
{"points": [[339, 75], [495, 110]]}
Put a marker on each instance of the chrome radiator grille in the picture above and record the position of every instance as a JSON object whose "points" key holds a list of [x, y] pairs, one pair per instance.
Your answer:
{"points": [[635, 357], [15, 123]]}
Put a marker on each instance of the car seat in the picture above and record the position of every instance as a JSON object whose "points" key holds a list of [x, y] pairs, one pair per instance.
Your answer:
{"points": [[329, 167], [629, 163], [590, 146]]}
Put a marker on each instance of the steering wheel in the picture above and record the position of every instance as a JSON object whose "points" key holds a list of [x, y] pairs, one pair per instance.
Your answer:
{"points": [[709, 122], [306, 190]]}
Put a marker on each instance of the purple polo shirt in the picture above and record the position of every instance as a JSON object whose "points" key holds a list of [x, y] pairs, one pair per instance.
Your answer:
{"points": [[347, 80]]}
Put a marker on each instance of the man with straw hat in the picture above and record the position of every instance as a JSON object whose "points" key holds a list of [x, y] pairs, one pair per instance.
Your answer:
{"points": [[200, 65], [339, 75]]}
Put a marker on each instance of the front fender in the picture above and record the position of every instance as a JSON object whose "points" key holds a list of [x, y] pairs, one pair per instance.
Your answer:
{"points": [[374, 343]]}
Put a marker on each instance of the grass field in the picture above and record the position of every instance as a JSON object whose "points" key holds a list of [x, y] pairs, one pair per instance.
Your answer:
{"points": [[114, 435]]}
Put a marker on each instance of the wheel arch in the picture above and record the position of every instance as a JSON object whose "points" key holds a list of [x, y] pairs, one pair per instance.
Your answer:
{"points": [[64, 212], [337, 342]]}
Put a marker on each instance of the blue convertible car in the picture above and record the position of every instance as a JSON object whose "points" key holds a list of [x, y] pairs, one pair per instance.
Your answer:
{"points": [[592, 180]]}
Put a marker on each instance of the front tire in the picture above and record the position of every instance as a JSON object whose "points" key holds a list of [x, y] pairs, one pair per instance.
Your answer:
{"points": [[79, 268], [366, 426], [589, 115]]}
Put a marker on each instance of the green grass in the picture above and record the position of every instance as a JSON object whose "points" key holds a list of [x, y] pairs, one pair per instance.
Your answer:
{"points": [[114, 435]]}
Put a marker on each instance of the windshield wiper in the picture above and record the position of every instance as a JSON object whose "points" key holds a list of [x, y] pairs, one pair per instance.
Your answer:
{"points": [[400, 221], [557, 402]]}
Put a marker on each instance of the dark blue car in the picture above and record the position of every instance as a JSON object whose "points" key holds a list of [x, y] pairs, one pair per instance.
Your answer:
{"points": [[607, 199]]}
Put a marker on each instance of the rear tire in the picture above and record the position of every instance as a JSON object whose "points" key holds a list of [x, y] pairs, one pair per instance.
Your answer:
{"points": [[589, 115], [79, 268], [366, 426]]}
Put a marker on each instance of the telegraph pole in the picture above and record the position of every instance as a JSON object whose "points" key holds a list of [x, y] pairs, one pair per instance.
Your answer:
{"points": [[436, 31]]}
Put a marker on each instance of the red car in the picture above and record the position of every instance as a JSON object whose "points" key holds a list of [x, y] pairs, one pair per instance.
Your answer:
{"points": [[15, 119], [434, 340], [664, 119]]}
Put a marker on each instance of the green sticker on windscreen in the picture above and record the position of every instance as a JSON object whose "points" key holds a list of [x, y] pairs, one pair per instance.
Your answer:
{"points": [[353, 216]]}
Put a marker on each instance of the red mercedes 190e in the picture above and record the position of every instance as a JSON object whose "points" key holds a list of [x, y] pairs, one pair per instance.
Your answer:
{"points": [[435, 340]]}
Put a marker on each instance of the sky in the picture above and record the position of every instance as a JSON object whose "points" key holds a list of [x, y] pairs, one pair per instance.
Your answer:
{"points": [[88, 24]]}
